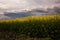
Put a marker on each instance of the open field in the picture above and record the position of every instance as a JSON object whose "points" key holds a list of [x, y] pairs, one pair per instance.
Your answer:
{"points": [[47, 26]]}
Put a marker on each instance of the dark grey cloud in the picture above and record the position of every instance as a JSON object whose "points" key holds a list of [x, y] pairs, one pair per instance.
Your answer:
{"points": [[33, 7]]}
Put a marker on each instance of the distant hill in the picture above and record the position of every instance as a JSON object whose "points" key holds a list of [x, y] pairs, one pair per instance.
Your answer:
{"points": [[33, 12]]}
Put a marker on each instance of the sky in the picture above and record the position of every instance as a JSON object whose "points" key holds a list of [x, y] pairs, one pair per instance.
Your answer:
{"points": [[27, 4]]}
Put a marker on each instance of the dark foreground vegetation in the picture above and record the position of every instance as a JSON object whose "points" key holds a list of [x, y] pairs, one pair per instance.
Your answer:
{"points": [[31, 28]]}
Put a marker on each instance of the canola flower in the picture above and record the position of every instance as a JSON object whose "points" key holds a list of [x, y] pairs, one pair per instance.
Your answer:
{"points": [[35, 26], [41, 18]]}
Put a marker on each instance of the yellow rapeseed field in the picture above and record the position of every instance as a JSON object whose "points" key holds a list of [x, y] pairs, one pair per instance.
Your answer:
{"points": [[41, 18]]}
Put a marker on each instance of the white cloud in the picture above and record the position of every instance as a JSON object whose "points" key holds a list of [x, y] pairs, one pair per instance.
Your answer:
{"points": [[26, 4]]}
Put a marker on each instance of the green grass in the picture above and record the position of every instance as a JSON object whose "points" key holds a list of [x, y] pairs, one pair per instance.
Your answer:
{"points": [[34, 26]]}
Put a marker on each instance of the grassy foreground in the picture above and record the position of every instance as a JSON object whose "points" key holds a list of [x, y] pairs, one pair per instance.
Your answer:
{"points": [[34, 26]]}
